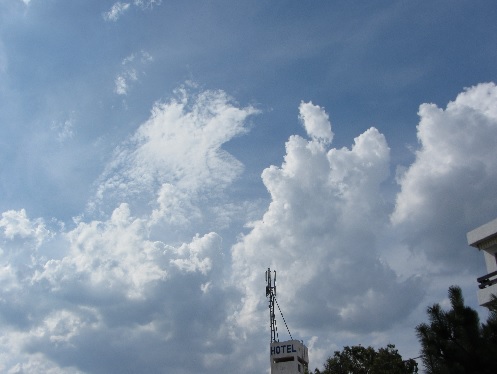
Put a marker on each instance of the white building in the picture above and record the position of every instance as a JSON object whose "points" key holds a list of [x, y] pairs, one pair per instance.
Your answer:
{"points": [[288, 357], [485, 239]]}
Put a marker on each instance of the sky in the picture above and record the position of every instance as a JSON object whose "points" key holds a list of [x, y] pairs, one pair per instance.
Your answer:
{"points": [[156, 157]]}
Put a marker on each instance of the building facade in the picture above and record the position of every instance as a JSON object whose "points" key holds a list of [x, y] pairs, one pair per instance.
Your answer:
{"points": [[288, 357], [484, 238]]}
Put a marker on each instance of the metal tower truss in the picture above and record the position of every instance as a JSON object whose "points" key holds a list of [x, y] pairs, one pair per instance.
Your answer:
{"points": [[271, 294]]}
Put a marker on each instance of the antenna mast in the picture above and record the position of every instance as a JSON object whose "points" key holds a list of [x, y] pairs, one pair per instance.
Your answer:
{"points": [[288, 357], [271, 294]]}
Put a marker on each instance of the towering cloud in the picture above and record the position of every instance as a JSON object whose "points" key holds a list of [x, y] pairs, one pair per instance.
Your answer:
{"points": [[321, 231], [449, 188]]}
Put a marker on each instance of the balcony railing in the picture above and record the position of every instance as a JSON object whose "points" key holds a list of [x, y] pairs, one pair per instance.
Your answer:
{"points": [[486, 280]]}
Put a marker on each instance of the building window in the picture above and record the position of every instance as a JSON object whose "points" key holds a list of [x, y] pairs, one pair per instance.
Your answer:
{"points": [[299, 368]]}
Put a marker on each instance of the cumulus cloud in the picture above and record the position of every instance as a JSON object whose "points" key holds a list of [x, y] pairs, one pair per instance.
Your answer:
{"points": [[340, 244], [145, 281], [449, 189], [107, 283], [316, 122], [112, 255], [123, 281], [321, 229], [16, 223]]}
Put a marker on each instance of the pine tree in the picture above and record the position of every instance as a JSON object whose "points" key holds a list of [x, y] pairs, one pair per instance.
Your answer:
{"points": [[455, 342]]}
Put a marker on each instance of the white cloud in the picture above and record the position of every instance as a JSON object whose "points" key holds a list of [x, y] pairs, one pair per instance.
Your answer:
{"points": [[193, 256], [116, 11], [16, 223], [131, 71], [175, 206], [320, 231], [127, 281], [316, 122], [178, 154], [147, 3], [119, 8], [121, 87], [153, 276], [113, 256], [112, 285], [449, 189]]}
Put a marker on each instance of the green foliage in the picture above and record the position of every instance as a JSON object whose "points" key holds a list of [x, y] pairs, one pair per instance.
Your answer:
{"points": [[362, 360], [455, 342]]}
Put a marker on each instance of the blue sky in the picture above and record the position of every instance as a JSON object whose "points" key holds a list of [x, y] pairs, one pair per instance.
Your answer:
{"points": [[157, 156]]}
